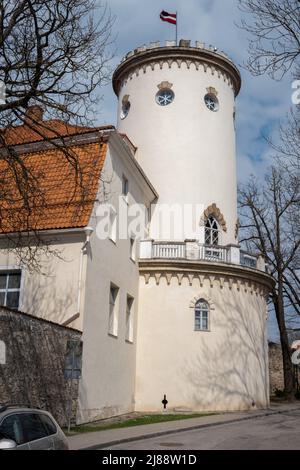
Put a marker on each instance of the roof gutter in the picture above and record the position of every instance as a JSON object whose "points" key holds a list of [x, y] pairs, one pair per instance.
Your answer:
{"points": [[55, 231]]}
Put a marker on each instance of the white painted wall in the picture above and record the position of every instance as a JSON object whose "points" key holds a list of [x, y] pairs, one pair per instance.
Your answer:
{"points": [[108, 377], [187, 151], [52, 291], [225, 368]]}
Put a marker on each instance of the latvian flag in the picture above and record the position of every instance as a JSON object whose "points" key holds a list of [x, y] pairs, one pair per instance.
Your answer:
{"points": [[169, 17]]}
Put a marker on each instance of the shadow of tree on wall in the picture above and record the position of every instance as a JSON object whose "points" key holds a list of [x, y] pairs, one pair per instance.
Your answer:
{"points": [[35, 362], [45, 298], [234, 368]]}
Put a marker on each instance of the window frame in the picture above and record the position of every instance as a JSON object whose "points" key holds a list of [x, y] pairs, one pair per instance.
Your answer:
{"points": [[129, 333], [125, 188], [212, 231], [199, 310], [159, 95], [7, 271], [125, 108], [213, 99], [113, 307]]}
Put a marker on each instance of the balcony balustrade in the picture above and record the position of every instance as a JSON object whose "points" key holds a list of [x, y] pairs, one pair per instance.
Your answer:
{"points": [[192, 250]]}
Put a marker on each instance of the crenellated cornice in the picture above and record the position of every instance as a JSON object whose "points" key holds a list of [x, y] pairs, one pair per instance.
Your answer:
{"points": [[220, 275], [206, 59]]}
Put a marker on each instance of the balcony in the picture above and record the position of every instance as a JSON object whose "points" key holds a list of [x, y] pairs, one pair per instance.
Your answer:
{"points": [[192, 250]]}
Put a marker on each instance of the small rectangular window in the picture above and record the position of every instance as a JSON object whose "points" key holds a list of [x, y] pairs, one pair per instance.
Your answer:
{"points": [[202, 316], [125, 187], [129, 319], [113, 315], [10, 284]]}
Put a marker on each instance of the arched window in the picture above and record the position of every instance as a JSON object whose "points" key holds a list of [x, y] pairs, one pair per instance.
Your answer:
{"points": [[201, 316], [211, 231]]}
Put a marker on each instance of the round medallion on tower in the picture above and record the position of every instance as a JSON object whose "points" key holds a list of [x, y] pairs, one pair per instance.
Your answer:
{"points": [[165, 95], [125, 107], [211, 99]]}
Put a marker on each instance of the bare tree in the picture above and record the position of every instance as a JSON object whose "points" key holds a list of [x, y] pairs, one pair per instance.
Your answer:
{"points": [[270, 226], [53, 54], [270, 213], [274, 42]]}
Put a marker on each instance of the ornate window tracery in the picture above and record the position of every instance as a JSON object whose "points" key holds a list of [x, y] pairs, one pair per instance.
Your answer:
{"points": [[211, 232]]}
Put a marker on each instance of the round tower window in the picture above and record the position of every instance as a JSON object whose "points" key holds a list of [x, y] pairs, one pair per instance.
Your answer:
{"points": [[164, 97], [211, 102], [125, 109]]}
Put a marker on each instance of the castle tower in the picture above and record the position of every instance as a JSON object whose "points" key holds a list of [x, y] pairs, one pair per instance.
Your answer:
{"points": [[201, 337], [177, 105]]}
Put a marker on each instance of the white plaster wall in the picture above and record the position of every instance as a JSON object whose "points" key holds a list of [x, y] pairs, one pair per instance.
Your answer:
{"points": [[225, 368], [52, 291], [108, 376], [187, 151]]}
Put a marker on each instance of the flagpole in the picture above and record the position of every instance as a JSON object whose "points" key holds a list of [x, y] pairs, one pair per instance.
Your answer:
{"points": [[176, 29]]}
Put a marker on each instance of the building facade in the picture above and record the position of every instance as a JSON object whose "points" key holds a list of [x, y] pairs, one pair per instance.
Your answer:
{"points": [[181, 310]]}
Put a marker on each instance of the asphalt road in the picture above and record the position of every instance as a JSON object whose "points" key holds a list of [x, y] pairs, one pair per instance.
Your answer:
{"points": [[275, 432]]}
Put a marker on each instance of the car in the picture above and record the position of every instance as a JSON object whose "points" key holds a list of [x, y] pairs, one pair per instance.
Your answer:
{"points": [[29, 429]]}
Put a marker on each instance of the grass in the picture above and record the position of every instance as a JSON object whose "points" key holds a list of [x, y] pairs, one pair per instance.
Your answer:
{"points": [[138, 421]]}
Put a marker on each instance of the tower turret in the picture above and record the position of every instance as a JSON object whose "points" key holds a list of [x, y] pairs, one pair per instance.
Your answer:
{"points": [[176, 103], [202, 301]]}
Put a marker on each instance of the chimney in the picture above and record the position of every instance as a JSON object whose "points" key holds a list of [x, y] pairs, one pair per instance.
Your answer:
{"points": [[34, 114]]}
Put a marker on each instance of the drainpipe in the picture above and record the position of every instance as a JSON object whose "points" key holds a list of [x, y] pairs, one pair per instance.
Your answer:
{"points": [[88, 232]]}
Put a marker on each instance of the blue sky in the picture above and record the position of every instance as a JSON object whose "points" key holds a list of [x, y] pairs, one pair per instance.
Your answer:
{"points": [[262, 102]]}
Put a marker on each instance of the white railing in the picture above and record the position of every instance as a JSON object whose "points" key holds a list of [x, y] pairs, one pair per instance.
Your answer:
{"points": [[168, 250], [248, 260], [192, 250], [213, 253]]}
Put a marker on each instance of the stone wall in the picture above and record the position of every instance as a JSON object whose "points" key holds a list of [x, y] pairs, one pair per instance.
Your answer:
{"points": [[275, 367], [32, 363]]}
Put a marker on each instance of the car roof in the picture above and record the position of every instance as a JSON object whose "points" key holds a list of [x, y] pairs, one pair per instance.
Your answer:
{"points": [[6, 410]]}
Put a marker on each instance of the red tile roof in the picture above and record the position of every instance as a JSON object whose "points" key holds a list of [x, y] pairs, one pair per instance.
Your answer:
{"points": [[62, 201]]}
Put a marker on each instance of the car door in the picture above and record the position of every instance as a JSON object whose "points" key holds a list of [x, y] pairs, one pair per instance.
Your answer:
{"points": [[35, 432], [11, 428], [53, 431]]}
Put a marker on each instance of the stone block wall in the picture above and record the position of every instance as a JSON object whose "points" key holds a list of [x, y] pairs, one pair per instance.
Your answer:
{"points": [[275, 367], [32, 363]]}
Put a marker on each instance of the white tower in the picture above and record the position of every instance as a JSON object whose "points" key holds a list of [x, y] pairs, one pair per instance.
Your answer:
{"points": [[201, 337], [177, 105]]}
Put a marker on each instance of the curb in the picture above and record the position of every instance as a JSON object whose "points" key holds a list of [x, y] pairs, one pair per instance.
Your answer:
{"points": [[190, 428]]}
